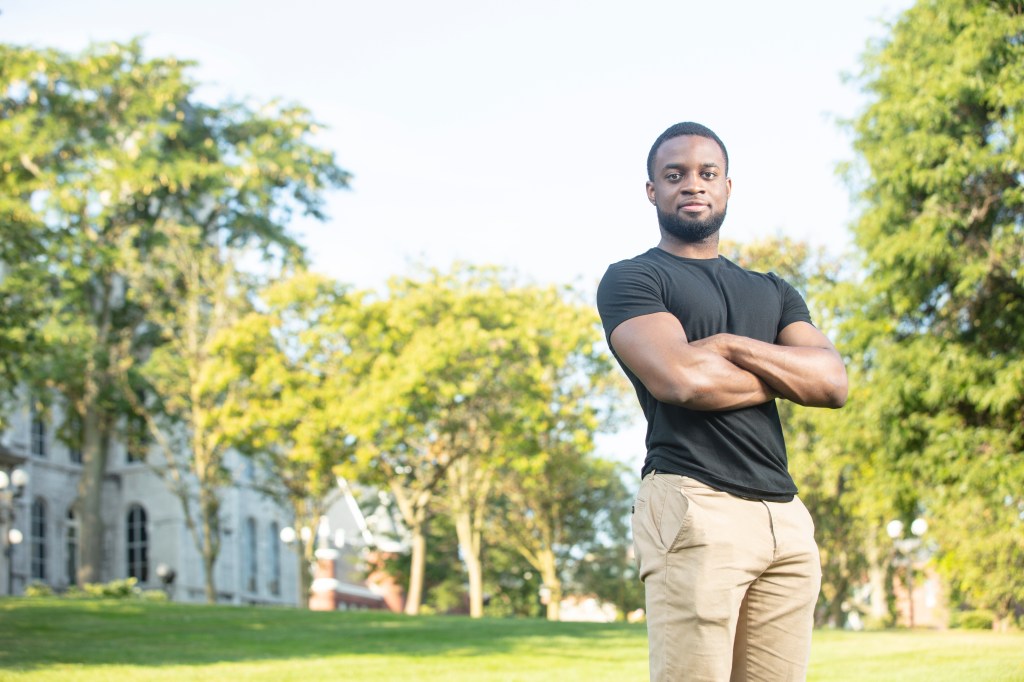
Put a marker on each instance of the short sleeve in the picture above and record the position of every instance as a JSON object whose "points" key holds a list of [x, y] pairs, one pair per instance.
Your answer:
{"points": [[628, 289], [794, 309]]}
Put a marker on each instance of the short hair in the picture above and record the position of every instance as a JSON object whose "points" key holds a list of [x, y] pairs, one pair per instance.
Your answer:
{"points": [[678, 130]]}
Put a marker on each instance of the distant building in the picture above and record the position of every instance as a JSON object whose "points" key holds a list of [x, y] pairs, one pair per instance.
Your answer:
{"points": [[145, 535]]}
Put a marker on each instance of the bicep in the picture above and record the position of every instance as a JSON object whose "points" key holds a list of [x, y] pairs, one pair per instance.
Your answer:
{"points": [[804, 334], [650, 345]]}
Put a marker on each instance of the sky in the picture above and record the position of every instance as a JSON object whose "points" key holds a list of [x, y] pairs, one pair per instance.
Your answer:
{"points": [[517, 134]]}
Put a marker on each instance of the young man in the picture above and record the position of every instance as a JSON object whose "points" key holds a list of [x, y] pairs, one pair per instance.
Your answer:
{"points": [[725, 548]]}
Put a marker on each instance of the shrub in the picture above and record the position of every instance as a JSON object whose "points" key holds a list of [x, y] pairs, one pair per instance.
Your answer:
{"points": [[37, 589], [973, 620], [115, 589]]}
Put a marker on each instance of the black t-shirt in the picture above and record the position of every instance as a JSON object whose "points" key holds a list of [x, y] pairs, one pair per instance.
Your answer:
{"points": [[739, 451]]}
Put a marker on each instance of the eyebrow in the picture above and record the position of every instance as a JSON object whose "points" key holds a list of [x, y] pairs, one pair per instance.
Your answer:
{"points": [[706, 164]]}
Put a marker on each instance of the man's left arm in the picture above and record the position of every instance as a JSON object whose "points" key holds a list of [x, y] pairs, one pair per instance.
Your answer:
{"points": [[802, 365]]}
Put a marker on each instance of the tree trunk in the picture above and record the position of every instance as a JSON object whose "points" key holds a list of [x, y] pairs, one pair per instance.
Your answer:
{"points": [[469, 542], [414, 596], [549, 574], [209, 508], [305, 576], [880, 587], [90, 488]]}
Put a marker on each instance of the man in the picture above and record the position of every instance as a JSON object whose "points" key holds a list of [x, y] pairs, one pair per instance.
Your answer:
{"points": [[725, 548]]}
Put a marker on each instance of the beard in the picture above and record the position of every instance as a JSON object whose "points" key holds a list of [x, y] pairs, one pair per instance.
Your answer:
{"points": [[690, 231]]}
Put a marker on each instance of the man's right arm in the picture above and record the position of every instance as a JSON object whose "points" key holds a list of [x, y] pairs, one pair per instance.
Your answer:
{"points": [[656, 350]]}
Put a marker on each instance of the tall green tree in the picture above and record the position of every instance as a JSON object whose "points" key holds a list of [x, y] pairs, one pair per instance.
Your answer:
{"points": [[295, 365], [100, 147], [180, 391], [941, 183], [470, 366], [833, 454]]}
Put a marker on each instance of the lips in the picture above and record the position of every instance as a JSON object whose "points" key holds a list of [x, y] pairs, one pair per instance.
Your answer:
{"points": [[693, 206]]}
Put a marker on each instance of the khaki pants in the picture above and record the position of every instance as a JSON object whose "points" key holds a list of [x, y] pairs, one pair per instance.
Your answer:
{"points": [[731, 583]]}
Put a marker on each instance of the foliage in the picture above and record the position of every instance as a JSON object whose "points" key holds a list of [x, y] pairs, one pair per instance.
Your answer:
{"points": [[286, 377], [37, 589], [99, 150], [115, 589], [186, 399], [973, 620], [472, 376], [935, 332]]}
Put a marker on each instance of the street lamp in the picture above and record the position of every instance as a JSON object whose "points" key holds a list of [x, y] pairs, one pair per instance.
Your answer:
{"points": [[906, 547], [12, 486]]}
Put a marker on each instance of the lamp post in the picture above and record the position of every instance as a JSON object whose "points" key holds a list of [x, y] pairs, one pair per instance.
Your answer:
{"points": [[906, 546], [12, 486]]}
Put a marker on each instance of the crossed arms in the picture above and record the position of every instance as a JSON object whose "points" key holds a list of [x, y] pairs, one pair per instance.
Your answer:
{"points": [[727, 372]]}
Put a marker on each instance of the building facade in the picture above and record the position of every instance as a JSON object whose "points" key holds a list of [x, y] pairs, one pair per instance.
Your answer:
{"points": [[145, 535]]}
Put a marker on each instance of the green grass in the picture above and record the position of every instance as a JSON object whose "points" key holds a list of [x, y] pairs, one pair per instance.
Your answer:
{"points": [[93, 641]]}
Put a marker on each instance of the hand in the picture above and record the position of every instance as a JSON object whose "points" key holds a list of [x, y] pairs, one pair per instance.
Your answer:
{"points": [[719, 344]]}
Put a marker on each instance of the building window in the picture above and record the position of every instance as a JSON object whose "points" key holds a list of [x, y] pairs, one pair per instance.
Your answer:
{"points": [[71, 548], [74, 434], [275, 559], [138, 544], [38, 539], [37, 435], [249, 556]]}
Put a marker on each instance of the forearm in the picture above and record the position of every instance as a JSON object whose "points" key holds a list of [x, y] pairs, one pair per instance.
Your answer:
{"points": [[806, 375], [655, 349], [708, 382]]}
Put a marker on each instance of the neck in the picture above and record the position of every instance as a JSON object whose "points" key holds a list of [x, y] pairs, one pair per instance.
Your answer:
{"points": [[705, 249]]}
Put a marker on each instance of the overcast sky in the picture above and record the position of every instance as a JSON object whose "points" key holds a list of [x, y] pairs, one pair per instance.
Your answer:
{"points": [[517, 133]]}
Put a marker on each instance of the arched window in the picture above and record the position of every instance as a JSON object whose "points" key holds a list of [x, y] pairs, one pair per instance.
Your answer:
{"points": [[138, 544], [71, 547], [37, 528], [274, 542], [249, 556]]}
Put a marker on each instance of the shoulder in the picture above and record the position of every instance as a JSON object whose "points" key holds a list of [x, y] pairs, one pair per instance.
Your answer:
{"points": [[632, 270], [765, 278]]}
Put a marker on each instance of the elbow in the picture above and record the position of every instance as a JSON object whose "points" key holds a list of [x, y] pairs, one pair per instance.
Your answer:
{"points": [[681, 394], [839, 389], [671, 395]]}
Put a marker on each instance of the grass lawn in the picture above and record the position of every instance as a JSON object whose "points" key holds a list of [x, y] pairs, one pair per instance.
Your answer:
{"points": [[94, 641]]}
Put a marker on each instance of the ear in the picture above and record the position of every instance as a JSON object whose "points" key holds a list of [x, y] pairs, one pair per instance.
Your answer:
{"points": [[650, 191], [728, 188]]}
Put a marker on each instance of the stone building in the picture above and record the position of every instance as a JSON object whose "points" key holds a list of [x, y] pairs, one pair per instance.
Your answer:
{"points": [[145, 535]]}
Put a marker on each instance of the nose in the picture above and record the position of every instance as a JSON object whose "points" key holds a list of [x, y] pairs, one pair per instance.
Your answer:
{"points": [[692, 183]]}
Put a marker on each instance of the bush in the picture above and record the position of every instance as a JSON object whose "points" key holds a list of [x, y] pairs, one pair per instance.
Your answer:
{"points": [[973, 620], [115, 589], [36, 589], [153, 595]]}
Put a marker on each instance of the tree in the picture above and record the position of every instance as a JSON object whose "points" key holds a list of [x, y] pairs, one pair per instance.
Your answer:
{"points": [[99, 148], [464, 360], [940, 181], [433, 400], [295, 365], [180, 390], [555, 496], [835, 455]]}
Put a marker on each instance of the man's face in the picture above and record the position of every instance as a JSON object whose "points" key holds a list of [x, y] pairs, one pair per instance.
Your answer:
{"points": [[690, 189]]}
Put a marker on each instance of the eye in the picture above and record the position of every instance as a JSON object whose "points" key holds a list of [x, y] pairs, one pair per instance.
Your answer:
{"points": [[709, 175], [673, 177]]}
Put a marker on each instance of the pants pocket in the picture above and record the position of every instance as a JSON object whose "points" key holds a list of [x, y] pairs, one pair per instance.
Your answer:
{"points": [[662, 517]]}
